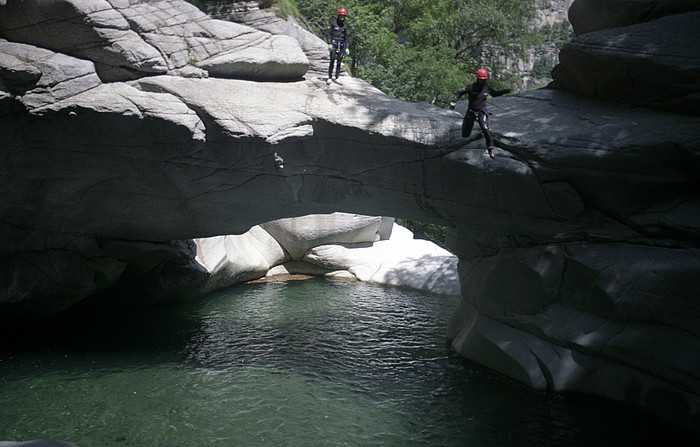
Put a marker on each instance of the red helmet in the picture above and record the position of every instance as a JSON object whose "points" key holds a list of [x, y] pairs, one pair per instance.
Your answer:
{"points": [[482, 74], [342, 12]]}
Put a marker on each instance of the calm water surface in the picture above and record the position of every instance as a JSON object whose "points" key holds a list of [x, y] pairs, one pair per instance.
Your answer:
{"points": [[305, 363]]}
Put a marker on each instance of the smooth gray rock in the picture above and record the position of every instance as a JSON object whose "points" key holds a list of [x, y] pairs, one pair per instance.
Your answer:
{"points": [[274, 61], [41, 77], [299, 268], [563, 307], [128, 40], [595, 15], [125, 101], [315, 48], [577, 244], [371, 249], [652, 64], [408, 263], [301, 234], [583, 317], [233, 259], [91, 30], [41, 283], [577, 177]]}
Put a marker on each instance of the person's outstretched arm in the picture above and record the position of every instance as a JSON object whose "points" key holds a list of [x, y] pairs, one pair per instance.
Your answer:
{"points": [[458, 95], [495, 93]]}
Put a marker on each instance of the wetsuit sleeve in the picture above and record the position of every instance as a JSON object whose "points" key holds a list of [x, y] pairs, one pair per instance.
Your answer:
{"points": [[329, 31], [345, 32], [460, 93], [495, 93]]}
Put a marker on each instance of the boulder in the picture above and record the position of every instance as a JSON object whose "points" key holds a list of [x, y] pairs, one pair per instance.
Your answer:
{"points": [[280, 59], [595, 15], [41, 77], [566, 316], [335, 245], [652, 64], [299, 235], [314, 47], [562, 307], [409, 263], [128, 40], [91, 30], [237, 258]]}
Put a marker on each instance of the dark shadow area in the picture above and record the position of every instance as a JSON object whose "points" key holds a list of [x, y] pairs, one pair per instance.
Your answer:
{"points": [[367, 350]]}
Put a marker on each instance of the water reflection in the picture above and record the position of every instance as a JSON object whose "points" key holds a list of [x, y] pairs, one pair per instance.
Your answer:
{"points": [[298, 363]]}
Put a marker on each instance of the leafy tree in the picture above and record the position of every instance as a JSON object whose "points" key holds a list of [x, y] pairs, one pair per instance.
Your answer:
{"points": [[425, 50], [431, 232], [416, 50]]}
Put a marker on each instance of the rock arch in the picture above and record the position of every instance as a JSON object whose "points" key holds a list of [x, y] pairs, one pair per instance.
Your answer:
{"points": [[579, 245]]}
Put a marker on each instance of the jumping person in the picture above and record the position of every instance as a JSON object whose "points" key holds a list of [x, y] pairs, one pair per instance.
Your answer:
{"points": [[476, 110], [337, 36]]}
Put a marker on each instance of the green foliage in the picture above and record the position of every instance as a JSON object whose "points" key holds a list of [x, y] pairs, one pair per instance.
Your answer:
{"points": [[420, 50], [542, 68], [196, 3], [425, 50], [558, 33], [431, 232], [283, 8]]}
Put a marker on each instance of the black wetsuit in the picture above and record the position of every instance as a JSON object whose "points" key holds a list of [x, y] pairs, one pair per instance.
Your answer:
{"points": [[337, 36], [476, 110]]}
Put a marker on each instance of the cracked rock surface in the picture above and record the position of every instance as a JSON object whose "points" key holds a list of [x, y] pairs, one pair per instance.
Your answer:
{"points": [[578, 245], [655, 63], [128, 40]]}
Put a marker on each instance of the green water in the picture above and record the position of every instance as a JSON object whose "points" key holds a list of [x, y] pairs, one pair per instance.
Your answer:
{"points": [[307, 363]]}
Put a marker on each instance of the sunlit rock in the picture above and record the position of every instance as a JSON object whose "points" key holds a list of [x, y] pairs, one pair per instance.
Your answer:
{"points": [[362, 253], [40, 77], [237, 258], [301, 234], [577, 244], [266, 20], [127, 40], [334, 245], [410, 263]]}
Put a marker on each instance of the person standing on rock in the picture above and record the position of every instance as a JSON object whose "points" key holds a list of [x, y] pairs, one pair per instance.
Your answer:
{"points": [[337, 36], [476, 110]]}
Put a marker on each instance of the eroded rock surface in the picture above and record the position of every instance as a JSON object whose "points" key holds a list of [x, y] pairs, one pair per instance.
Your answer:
{"points": [[249, 14], [127, 40], [651, 64], [338, 245], [595, 15], [578, 244]]}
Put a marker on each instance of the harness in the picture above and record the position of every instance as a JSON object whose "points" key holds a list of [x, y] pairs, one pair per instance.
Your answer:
{"points": [[475, 114], [339, 45]]}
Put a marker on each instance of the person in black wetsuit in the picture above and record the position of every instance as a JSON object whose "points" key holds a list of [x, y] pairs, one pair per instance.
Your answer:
{"points": [[337, 37], [476, 110]]}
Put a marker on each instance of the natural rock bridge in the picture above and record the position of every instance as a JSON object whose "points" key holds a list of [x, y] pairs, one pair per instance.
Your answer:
{"points": [[578, 243]]}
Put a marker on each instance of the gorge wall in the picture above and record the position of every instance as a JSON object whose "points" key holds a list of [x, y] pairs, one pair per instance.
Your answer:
{"points": [[130, 128], [532, 69]]}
